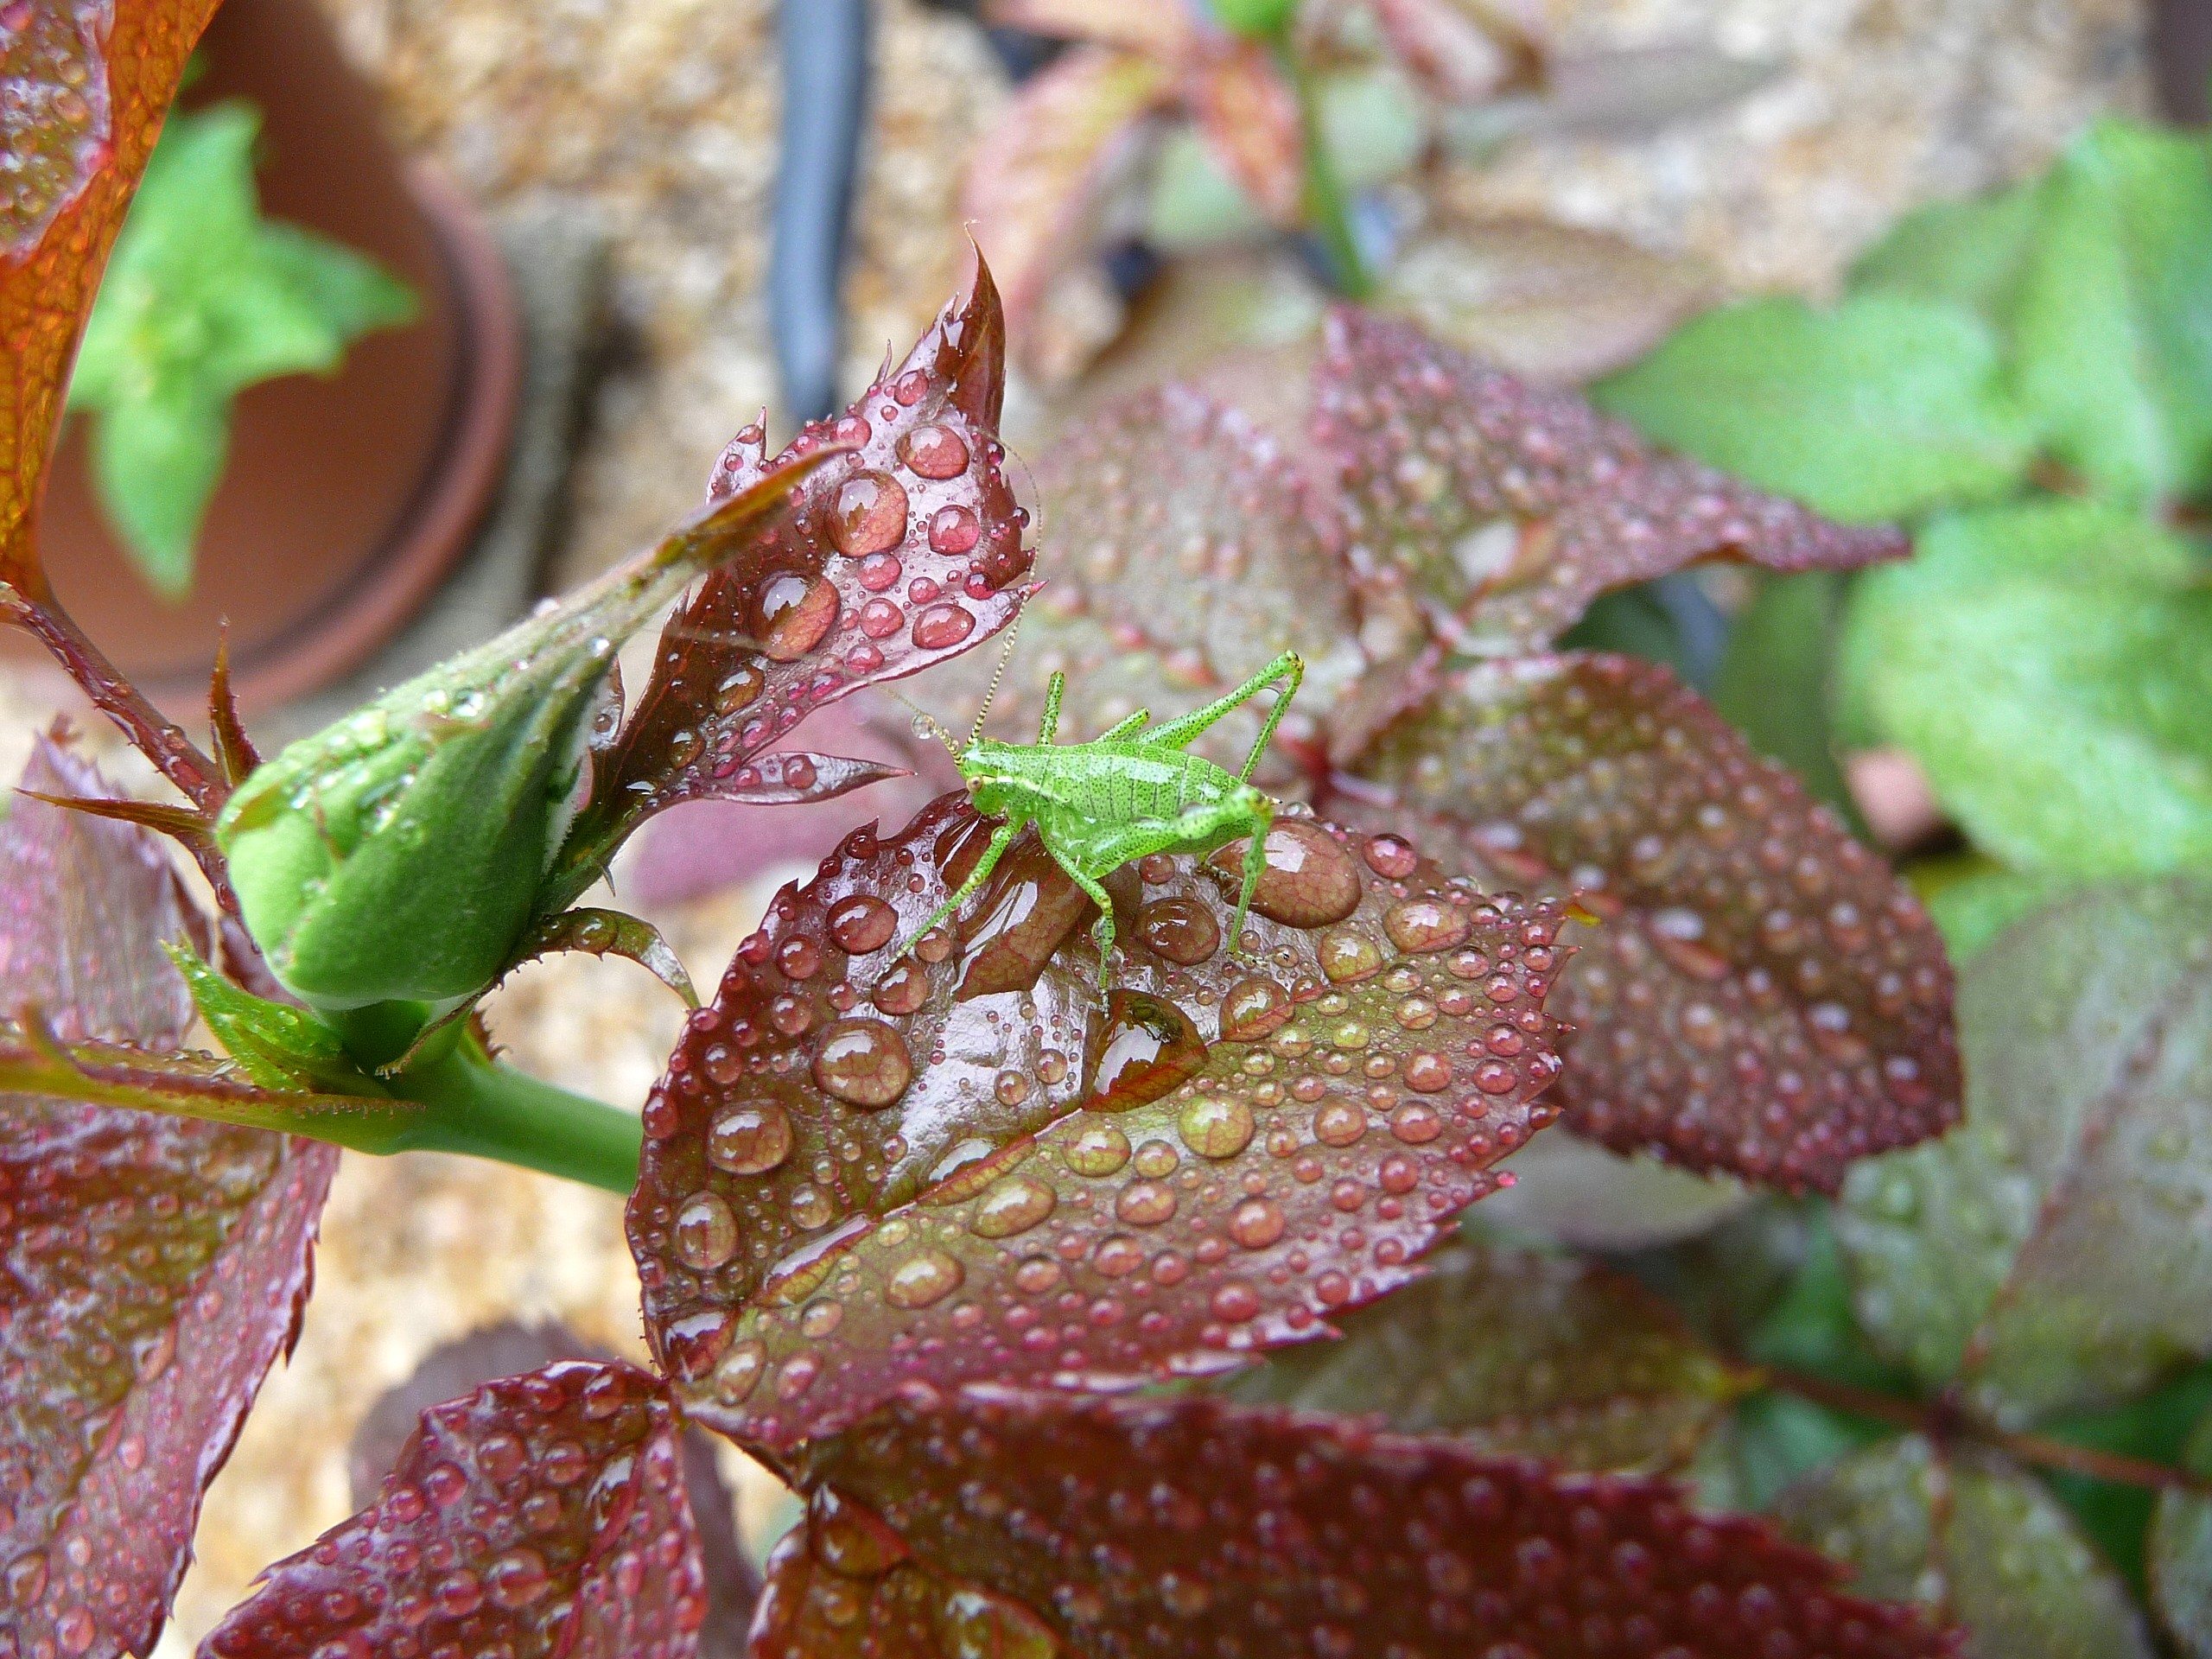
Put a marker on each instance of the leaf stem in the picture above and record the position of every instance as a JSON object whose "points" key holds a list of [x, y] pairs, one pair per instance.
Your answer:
{"points": [[1943, 1420], [1325, 209], [483, 1108]]}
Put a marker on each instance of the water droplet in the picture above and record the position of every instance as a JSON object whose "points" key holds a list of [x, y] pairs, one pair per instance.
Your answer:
{"points": [[903, 989], [926, 1277], [1255, 1224], [706, 1232], [1416, 926], [1310, 880], [1389, 856], [1182, 930], [821, 1318], [1215, 1127], [1149, 1048], [1010, 1088], [811, 1207], [1145, 1203], [502, 1455], [739, 689], [861, 924], [935, 452], [942, 627], [870, 515], [863, 1062], [795, 613], [954, 530], [1338, 1122], [1416, 1123], [1253, 1009], [517, 1579], [739, 1374], [1099, 1149], [751, 1138], [1236, 1302], [1348, 956], [1013, 1206]]}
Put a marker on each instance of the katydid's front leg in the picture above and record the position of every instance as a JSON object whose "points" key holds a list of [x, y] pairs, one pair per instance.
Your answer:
{"points": [[1001, 838], [1102, 930], [1255, 866]]}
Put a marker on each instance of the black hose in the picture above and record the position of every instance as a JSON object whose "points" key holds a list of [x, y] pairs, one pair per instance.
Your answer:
{"points": [[825, 64]]}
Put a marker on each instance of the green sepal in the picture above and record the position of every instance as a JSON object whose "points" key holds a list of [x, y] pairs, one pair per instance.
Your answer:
{"points": [[279, 1047]]}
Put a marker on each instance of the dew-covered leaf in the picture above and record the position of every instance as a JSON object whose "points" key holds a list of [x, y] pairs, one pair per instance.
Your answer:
{"points": [[901, 554], [2048, 666], [1032, 189], [841, 1585], [1887, 405], [151, 1267], [1172, 492], [507, 1349], [1195, 1527], [612, 933], [1520, 1353], [89, 81], [543, 1515], [1551, 302], [2053, 1251], [966, 1165], [1502, 509], [1970, 1533], [1761, 995]]}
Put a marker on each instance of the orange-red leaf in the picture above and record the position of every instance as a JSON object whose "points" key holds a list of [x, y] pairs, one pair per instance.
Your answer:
{"points": [[88, 82], [1248, 114]]}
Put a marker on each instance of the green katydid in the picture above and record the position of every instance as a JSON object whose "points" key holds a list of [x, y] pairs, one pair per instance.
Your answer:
{"points": [[1125, 794]]}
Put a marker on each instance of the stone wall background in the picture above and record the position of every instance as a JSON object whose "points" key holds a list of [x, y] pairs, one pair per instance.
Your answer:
{"points": [[660, 116]]}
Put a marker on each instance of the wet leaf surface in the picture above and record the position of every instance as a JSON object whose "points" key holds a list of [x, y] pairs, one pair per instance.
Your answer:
{"points": [[1171, 491], [2052, 1252], [1500, 510], [505, 1350], [612, 933], [969, 1165], [1195, 1527], [1977, 1539], [89, 83], [543, 1515], [2178, 1549], [1761, 995], [1518, 1353], [902, 554], [150, 1268]]}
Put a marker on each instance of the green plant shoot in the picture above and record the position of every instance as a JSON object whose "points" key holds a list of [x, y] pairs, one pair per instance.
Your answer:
{"points": [[1126, 794]]}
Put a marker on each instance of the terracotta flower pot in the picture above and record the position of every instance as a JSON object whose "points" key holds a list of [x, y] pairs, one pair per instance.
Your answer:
{"points": [[345, 500]]}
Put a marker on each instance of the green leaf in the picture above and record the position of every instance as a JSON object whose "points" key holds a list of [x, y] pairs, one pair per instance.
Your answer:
{"points": [[1517, 1352], [278, 1046], [1813, 1328], [1885, 406], [2178, 1552], [2114, 317], [2155, 1428], [1973, 908], [157, 459], [2048, 666], [1968, 253], [1770, 1441], [1773, 683], [1974, 1535], [202, 299], [2049, 1254]]}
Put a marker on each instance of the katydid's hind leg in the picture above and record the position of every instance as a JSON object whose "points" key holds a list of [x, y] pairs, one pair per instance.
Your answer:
{"points": [[1054, 689], [1255, 866], [1126, 727], [1294, 676], [1178, 734], [1001, 838]]}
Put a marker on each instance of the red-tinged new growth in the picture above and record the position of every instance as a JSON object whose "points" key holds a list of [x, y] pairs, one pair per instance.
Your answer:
{"points": [[903, 554], [151, 1269], [543, 1516], [1195, 1527], [971, 1164], [1499, 509], [1762, 995]]}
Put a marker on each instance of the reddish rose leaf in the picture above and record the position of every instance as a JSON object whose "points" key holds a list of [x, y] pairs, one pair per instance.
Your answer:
{"points": [[1169, 492], [1499, 510], [1764, 997], [901, 554], [1248, 114], [1031, 188], [150, 1268], [841, 1585], [1195, 1527], [1162, 29], [1463, 50], [545, 1515], [967, 1165], [89, 82]]}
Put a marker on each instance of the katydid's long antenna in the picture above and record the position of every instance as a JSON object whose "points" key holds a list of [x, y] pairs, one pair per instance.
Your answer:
{"points": [[1006, 656]]}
